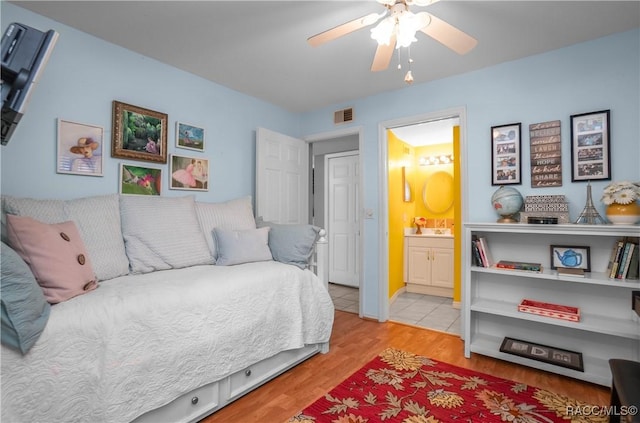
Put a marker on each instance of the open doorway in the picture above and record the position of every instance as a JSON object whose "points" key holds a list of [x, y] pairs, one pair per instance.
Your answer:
{"points": [[460, 213], [421, 263], [335, 206]]}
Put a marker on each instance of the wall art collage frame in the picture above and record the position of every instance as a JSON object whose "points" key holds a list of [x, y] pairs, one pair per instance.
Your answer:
{"points": [[138, 134], [589, 145]]}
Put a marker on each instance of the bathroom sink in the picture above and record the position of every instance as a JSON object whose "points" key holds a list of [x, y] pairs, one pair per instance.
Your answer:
{"points": [[434, 232]]}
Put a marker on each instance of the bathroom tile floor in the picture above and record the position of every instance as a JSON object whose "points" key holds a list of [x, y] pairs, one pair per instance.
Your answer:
{"points": [[427, 311]]}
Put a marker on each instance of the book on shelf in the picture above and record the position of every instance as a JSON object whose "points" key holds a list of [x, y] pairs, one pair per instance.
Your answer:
{"points": [[485, 252], [624, 261], [475, 254], [612, 258], [632, 272], [621, 264], [571, 271], [483, 258], [619, 247], [624, 256], [479, 253], [519, 265]]}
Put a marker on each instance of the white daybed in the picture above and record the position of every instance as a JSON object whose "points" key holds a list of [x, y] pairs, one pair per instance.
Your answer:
{"points": [[169, 345]]}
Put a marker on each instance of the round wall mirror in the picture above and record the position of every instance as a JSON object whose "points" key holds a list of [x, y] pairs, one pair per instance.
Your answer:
{"points": [[438, 192]]}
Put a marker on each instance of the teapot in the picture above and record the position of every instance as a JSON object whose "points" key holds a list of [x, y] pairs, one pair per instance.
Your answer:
{"points": [[570, 258]]}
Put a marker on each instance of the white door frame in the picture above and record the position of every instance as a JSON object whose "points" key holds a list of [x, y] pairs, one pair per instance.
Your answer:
{"points": [[325, 136], [383, 199], [327, 195]]}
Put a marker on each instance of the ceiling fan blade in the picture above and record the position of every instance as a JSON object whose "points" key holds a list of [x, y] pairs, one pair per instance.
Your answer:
{"points": [[383, 55], [450, 36], [344, 29]]}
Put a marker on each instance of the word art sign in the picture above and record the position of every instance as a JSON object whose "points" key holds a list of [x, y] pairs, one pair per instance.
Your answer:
{"points": [[546, 154]]}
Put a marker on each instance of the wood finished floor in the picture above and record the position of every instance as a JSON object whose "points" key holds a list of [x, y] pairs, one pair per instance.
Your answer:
{"points": [[355, 342]]}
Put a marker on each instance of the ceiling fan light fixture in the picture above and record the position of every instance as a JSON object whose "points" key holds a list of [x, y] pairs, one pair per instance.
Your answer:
{"points": [[406, 30], [403, 24], [396, 27], [383, 32]]}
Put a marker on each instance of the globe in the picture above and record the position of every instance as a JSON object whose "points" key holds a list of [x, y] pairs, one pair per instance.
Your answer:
{"points": [[507, 202]]}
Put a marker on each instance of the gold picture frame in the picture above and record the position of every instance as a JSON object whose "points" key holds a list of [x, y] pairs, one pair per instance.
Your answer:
{"points": [[138, 133]]}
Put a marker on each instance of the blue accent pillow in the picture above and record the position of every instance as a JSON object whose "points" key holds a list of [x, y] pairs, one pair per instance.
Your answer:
{"points": [[245, 246], [291, 243], [24, 309]]}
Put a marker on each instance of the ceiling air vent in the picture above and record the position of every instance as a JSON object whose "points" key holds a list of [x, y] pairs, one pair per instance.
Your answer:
{"points": [[343, 116]]}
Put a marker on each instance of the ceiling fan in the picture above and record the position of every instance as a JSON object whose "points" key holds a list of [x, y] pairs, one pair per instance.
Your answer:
{"points": [[398, 29]]}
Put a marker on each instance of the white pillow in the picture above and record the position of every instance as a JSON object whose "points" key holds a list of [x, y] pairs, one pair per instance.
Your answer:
{"points": [[162, 233], [233, 214], [246, 246], [97, 219]]}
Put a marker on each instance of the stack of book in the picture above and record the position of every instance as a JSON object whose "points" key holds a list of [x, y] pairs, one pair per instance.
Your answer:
{"points": [[519, 265], [481, 256], [623, 262]]}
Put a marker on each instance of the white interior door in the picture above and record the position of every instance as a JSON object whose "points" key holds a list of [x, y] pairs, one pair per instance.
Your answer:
{"points": [[282, 178], [342, 219]]}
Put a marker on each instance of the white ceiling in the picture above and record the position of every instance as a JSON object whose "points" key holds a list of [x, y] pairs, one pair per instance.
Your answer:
{"points": [[259, 47], [427, 133]]}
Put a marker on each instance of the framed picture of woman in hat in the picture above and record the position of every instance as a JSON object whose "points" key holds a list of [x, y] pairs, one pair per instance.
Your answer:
{"points": [[79, 148]]}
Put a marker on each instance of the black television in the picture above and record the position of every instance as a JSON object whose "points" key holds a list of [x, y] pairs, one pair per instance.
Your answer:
{"points": [[25, 52]]}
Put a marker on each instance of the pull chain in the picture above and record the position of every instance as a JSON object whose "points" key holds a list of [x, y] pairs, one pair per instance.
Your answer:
{"points": [[408, 78]]}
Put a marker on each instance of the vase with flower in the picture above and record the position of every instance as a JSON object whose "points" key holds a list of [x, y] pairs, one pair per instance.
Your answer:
{"points": [[420, 222], [621, 199]]}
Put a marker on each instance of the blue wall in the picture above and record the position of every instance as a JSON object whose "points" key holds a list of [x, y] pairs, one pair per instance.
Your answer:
{"points": [[592, 76], [85, 74]]}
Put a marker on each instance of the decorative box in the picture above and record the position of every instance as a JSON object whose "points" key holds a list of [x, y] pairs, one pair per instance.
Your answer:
{"points": [[556, 311], [547, 208]]}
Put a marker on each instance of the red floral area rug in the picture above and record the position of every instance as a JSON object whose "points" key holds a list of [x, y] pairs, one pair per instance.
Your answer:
{"points": [[401, 387]]}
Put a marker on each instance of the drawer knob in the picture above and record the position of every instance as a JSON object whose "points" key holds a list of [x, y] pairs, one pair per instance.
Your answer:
{"points": [[247, 372], [194, 400]]}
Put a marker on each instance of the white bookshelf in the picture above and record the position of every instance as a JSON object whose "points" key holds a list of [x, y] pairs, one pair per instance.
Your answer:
{"points": [[608, 327]]}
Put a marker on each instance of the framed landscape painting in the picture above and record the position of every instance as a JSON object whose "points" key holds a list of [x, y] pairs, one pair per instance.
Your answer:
{"points": [[189, 136], [139, 134]]}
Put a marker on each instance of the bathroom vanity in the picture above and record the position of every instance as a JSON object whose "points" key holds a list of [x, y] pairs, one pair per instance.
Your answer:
{"points": [[428, 263]]}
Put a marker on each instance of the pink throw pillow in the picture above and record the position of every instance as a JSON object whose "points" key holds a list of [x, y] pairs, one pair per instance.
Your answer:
{"points": [[56, 255]]}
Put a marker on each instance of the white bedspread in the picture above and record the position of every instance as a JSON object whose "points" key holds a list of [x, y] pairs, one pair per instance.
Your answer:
{"points": [[138, 342]]}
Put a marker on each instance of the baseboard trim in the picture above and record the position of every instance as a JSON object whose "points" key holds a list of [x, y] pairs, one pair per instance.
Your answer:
{"points": [[397, 294]]}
